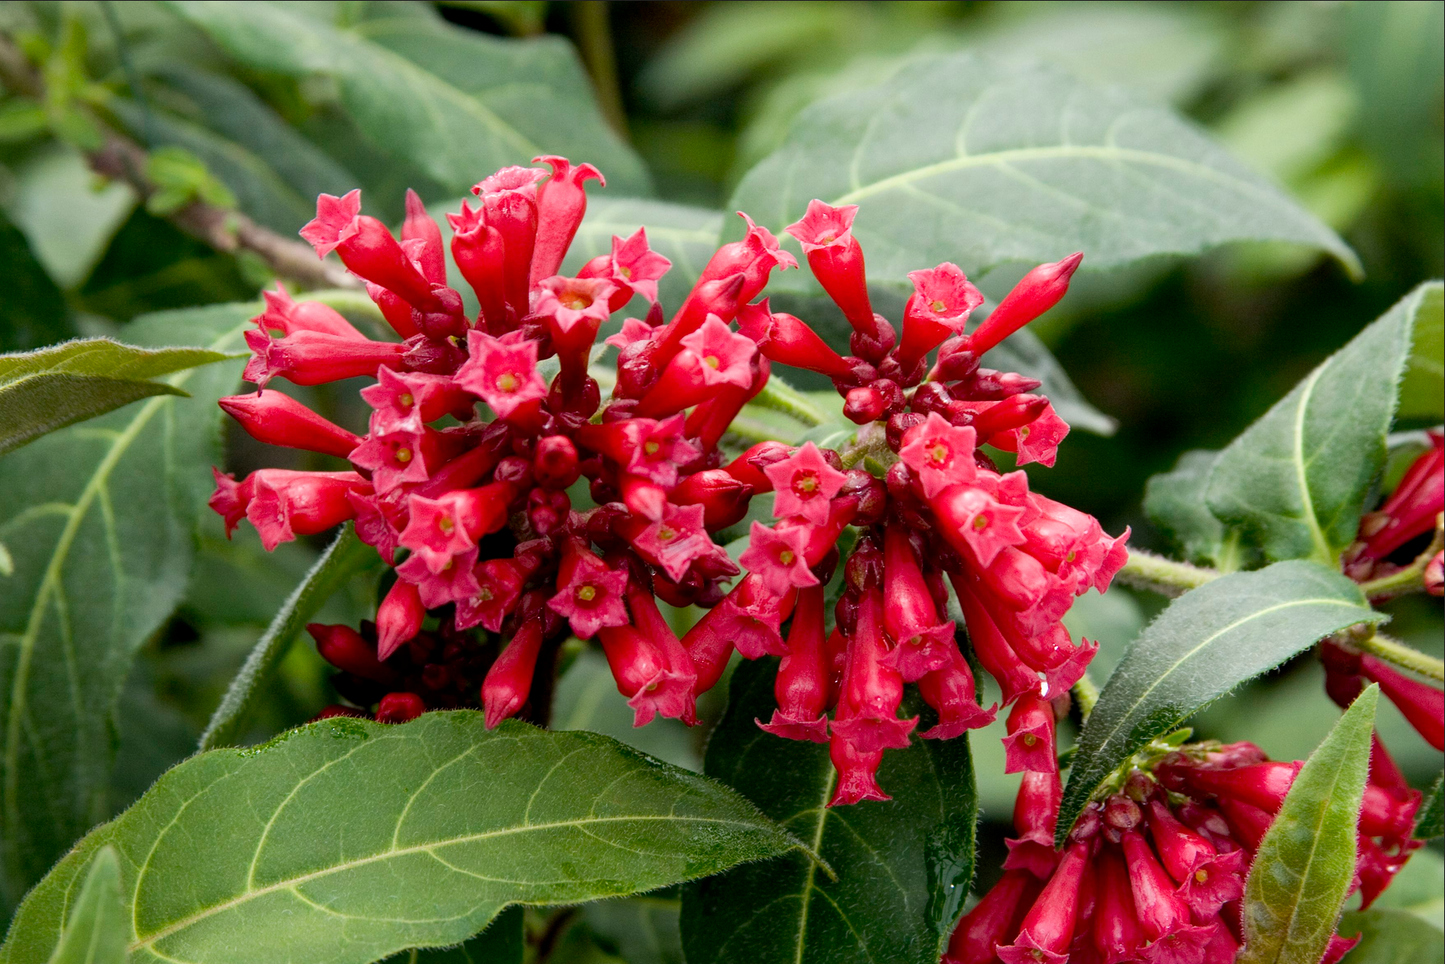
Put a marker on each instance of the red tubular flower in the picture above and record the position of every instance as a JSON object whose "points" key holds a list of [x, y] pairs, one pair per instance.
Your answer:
{"points": [[836, 259], [508, 682], [993, 651], [631, 264], [561, 204], [801, 687], [344, 648], [788, 340], [952, 693], [921, 643], [509, 198], [502, 372], [642, 446], [805, 485], [996, 916], [713, 357], [723, 498], [711, 419], [407, 401], [316, 358], [1117, 933], [443, 528], [1163, 915], [857, 772], [941, 302], [940, 454], [867, 713], [366, 247], [278, 419], [421, 238], [478, 250], [1207, 879], [1036, 813], [1030, 744], [1261, 785], [778, 557], [749, 619], [1434, 577], [284, 316], [1036, 293], [283, 504], [1048, 928], [398, 618], [1422, 705], [589, 594]]}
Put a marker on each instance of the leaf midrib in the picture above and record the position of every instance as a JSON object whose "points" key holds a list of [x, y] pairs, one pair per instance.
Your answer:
{"points": [[291, 882]]}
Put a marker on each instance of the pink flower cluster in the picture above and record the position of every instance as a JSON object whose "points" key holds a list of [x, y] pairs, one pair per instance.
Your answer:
{"points": [[941, 515], [477, 499], [1155, 872]]}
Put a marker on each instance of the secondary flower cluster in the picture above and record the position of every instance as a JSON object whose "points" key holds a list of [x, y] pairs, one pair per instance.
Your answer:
{"points": [[478, 499], [942, 514], [1155, 872], [1411, 513]]}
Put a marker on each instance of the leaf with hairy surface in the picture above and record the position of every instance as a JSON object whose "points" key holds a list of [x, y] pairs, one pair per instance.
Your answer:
{"points": [[1306, 861], [348, 840], [902, 868], [100, 519], [95, 928], [1205, 644], [1296, 479], [979, 161]]}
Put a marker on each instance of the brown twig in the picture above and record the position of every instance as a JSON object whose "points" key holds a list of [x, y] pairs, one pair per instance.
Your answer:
{"points": [[122, 159]]}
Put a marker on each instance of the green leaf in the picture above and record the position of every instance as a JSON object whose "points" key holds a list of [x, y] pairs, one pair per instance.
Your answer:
{"points": [[68, 222], [687, 236], [1304, 865], [1175, 502], [100, 520], [348, 840], [503, 942], [1297, 478], [1422, 393], [41, 391], [1390, 936], [346, 557], [1206, 643], [902, 868], [968, 159], [95, 931], [1431, 821], [644, 929], [456, 103]]}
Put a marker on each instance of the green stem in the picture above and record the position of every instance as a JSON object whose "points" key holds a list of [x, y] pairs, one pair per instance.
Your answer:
{"points": [[1412, 577], [1406, 657], [779, 396], [1145, 570], [1086, 694]]}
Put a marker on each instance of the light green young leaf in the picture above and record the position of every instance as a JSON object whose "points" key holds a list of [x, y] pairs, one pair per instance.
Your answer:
{"points": [[100, 521], [346, 556], [347, 840], [95, 931], [456, 103], [1304, 865], [967, 159], [1296, 479], [902, 868], [47, 389], [1206, 643], [1422, 393]]}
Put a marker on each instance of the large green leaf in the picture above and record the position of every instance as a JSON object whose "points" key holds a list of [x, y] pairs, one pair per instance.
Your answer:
{"points": [[47, 389], [902, 868], [95, 929], [1206, 643], [1389, 936], [977, 161], [100, 521], [1175, 501], [1306, 861], [346, 557], [1296, 480], [457, 103], [348, 840], [687, 236]]}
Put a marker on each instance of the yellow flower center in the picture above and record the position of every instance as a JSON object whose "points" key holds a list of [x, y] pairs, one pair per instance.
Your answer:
{"points": [[938, 306], [651, 448], [980, 522], [711, 361], [805, 484], [405, 400], [939, 453], [786, 557], [587, 594], [507, 382], [445, 524], [1201, 876], [664, 534], [577, 302], [624, 271], [403, 456], [1029, 739]]}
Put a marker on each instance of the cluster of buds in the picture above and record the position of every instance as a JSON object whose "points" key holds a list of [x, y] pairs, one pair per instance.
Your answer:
{"points": [[476, 499], [1155, 871], [1411, 513], [942, 514]]}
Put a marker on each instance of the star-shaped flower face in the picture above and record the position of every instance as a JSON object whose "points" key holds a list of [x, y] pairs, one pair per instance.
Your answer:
{"points": [[675, 540], [805, 485], [334, 223], [395, 458], [592, 597], [984, 524], [455, 581], [823, 225], [659, 448], [498, 586], [568, 302], [638, 264], [776, 557], [939, 453], [405, 401], [943, 295], [502, 371], [723, 358], [513, 178], [436, 532]]}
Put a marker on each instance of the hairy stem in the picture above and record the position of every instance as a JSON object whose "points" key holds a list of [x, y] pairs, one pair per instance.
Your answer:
{"points": [[1145, 570], [779, 396], [1086, 694], [1405, 657]]}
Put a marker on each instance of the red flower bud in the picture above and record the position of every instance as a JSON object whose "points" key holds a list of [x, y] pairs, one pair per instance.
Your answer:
{"points": [[788, 340], [996, 916], [344, 648], [508, 682], [398, 618], [1036, 293], [399, 708], [554, 462], [278, 419], [316, 358], [724, 499], [561, 204]]}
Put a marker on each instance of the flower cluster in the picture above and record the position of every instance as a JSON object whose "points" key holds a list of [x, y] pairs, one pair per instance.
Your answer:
{"points": [[1412, 512], [477, 499], [941, 515], [1155, 872]]}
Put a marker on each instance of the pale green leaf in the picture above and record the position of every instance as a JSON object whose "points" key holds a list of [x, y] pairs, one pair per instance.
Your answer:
{"points": [[347, 840], [1205, 644], [1422, 394], [95, 931], [100, 520], [1296, 479], [1390, 936], [967, 159], [1306, 861]]}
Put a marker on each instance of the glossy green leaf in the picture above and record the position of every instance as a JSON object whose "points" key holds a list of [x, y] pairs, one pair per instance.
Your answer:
{"points": [[1422, 393], [1206, 643], [1430, 823], [1175, 501], [456, 103], [1306, 861], [95, 931], [347, 840], [687, 236], [1389, 936], [100, 521], [1296, 479], [967, 159], [902, 867], [47, 389], [346, 557]]}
